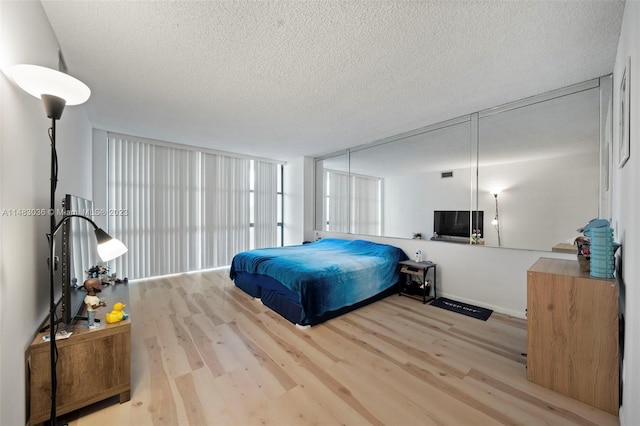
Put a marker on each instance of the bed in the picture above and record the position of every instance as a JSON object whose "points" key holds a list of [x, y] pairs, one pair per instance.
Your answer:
{"points": [[311, 283]]}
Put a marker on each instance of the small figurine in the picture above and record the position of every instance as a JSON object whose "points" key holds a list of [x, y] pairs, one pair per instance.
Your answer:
{"points": [[117, 314], [93, 302], [97, 271]]}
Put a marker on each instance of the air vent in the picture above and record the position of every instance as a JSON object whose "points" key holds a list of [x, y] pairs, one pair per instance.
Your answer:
{"points": [[446, 174]]}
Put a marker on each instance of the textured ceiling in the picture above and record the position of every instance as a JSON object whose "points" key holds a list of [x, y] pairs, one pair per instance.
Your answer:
{"points": [[282, 79]]}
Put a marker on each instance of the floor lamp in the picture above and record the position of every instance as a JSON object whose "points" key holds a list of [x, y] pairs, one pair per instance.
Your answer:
{"points": [[57, 89]]}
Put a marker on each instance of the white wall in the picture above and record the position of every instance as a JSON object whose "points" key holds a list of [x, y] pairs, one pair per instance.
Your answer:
{"points": [[100, 154], [558, 195], [293, 215], [407, 211], [525, 199], [626, 213], [298, 201], [26, 37], [490, 277]]}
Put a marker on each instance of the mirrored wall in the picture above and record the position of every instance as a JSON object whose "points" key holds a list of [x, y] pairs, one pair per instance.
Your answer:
{"points": [[524, 175]]}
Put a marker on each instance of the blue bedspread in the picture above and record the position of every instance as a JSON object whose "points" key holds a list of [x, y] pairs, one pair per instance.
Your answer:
{"points": [[328, 274]]}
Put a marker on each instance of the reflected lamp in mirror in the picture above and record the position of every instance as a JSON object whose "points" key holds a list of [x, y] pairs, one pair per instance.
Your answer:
{"points": [[495, 222]]}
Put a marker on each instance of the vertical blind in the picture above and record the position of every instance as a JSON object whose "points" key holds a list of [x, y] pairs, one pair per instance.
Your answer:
{"points": [[365, 207], [265, 199], [337, 201], [179, 210], [225, 208]]}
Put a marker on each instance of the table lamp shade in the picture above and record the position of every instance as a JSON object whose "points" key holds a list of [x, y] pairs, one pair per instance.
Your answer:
{"points": [[109, 248]]}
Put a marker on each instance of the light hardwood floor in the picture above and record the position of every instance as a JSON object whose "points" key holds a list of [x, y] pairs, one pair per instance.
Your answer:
{"points": [[205, 353]]}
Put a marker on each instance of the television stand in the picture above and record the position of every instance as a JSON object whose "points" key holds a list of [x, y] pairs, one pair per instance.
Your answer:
{"points": [[93, 364]]}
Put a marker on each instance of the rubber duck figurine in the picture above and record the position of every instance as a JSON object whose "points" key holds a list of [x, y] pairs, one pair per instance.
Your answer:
{"points": [[117, 314]]}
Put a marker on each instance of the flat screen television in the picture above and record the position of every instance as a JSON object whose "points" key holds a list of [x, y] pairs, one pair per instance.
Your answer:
{"points": [[79, 253], [457, 223]]}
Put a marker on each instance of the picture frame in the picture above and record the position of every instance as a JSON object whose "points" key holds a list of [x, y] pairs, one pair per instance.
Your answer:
{"points": [[624, 123]]}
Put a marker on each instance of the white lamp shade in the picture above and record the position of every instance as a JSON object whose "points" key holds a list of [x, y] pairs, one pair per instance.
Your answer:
{"points": [[38, 81], [111, 249]]}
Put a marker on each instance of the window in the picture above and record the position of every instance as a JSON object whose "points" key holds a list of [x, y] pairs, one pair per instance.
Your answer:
{"points": [[266, 204], [365, 193], [186, 209]]}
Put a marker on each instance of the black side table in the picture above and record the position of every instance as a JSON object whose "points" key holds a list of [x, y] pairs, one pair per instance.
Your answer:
{"points": [[413, 281]]}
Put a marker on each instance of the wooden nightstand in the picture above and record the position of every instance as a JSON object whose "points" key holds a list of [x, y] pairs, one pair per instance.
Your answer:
{"points": [[413, 280], [93, 364]]}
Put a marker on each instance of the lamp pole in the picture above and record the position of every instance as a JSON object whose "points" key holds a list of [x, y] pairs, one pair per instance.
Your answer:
{"points": [[52, 267], [54, 106], [497, 220], [55, 89]]}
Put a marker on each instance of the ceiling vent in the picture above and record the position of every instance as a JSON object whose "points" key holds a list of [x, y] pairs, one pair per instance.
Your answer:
{"points": [[446, 174]]}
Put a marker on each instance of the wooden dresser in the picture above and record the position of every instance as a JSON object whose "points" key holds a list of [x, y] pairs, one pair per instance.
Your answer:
{"points": [[93, 364], [572, 322]]}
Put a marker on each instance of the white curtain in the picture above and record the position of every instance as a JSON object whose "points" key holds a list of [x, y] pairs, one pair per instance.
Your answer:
{"points": [[152, 201], [337, 200], [176, 209], [265, 204], [366, 210], [225, 208]]}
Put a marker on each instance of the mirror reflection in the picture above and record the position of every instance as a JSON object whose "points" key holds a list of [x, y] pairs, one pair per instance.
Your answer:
{"points": [[542, 161], [332, 194], [410, 172], [523, 175]]}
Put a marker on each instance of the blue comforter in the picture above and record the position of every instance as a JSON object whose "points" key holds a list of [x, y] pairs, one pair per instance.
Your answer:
{"points": [[328, 274]]}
